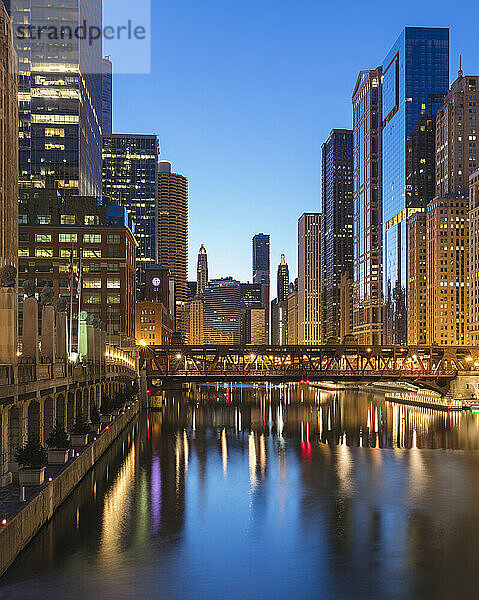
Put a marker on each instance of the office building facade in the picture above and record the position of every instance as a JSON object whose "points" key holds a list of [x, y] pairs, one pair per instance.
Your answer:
{"points": [[473, 328], [337, 226], [60, 97], [293, 313], [53, 230], [456, 134], [107, 97], [447, 292], [309, 279], [221, 312], [261, 270], [282, 282], [416, 282], [367, 208], [416, 65], [130, 179], [173, 234]]}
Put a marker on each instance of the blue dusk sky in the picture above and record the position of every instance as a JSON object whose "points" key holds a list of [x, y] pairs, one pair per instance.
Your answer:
{"points": [[243, 94]]}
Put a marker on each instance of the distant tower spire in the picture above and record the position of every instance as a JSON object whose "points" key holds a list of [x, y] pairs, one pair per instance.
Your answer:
{"points": [[283, 259], [460, 73]]}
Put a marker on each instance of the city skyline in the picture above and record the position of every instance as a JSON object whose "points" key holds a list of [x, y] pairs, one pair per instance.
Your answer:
{"points": [[281, 129]]}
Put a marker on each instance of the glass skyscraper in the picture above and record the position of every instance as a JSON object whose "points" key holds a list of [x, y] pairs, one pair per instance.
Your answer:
{"points": [[417, 65], [367, 232], [337, 226], [130, 179], [59, 95], [261, 270]]}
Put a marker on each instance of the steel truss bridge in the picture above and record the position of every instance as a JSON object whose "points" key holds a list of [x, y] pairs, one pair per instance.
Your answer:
{"points": [[427, 366]]}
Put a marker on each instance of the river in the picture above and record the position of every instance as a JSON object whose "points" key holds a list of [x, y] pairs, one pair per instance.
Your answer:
{"points": [[269, 492]]}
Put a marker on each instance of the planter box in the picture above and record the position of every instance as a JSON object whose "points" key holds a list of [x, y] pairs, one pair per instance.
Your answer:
{"points": [[105, 419], [58, 457], [79, 439], [30, 477], [94, 428]]}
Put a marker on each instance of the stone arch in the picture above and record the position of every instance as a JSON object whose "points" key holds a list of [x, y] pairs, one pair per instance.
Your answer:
{"points": [[33, 421], [14, 432], [70, 410], [48, 416], [60, 410]]}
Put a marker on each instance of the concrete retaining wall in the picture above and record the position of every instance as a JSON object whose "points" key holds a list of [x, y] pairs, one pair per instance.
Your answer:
{"points": [[23, 527]]}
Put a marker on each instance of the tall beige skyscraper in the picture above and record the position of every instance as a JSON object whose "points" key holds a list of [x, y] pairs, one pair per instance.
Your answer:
{"points": [[309, 278], [173, 233], [447, 254], [457, 123], [473, 312]]}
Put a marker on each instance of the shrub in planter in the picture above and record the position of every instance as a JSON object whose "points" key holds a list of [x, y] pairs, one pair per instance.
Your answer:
{"points": [[79, 432], [58, 446], [106, 406], [95, 419], [32, 458]]}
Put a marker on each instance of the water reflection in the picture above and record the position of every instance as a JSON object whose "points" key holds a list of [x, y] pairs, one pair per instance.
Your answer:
{"points": [[269, 492]]}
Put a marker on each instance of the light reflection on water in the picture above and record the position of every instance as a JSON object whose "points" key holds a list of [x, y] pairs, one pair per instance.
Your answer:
{"points": [[269, 492]]}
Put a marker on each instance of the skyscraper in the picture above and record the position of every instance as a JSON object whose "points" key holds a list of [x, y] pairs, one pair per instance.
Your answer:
{"points": [[283, 279], [221, 312], [107, 97], [173, 233], [309, 278], [474, 258], [251, 307], [261, 270], [447, 292], [59, 96], [456, 132], [130, 179], [8, 145], [417, 65], [367, 213], [201, 271], [337, 226], [293, 313]]}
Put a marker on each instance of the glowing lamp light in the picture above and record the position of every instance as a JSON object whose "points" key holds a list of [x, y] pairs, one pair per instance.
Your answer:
{"points": [[468, 358], [178, 356], [50, 479], [4, 521]]}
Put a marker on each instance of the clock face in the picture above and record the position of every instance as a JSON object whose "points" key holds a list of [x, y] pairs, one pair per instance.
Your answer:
{"points": [[156, 282]]}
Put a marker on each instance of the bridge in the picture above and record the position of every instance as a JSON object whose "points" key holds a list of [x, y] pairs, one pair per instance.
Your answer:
{"points": [[426, 366]]}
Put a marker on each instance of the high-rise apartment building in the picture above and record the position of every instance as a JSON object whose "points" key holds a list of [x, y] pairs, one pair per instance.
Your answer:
{"points": [[173, 233], [337, 226], [8, 145], [130, 179], [221, 312], [416, 282], [261, 270], [293, 313], [367, 208], [201, 271], [416, 65], [447, 296], [309, 278], [456, 138], [60, 98], [474, 258], [282, 283], [107, 97]]}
